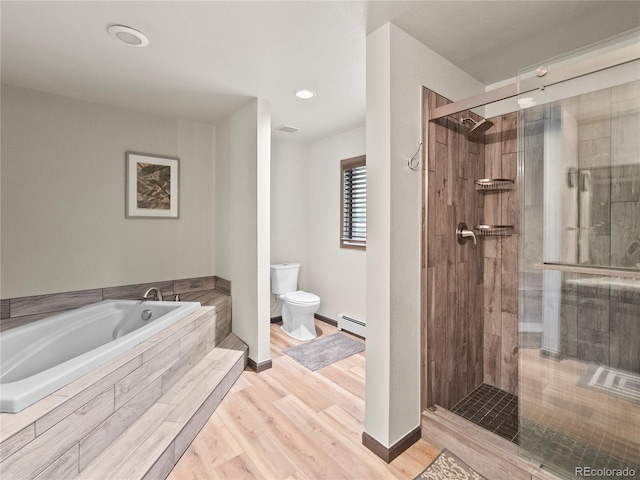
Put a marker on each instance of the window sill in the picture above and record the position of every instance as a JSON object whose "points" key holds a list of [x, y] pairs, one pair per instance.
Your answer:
{"points": [[353, 247]]}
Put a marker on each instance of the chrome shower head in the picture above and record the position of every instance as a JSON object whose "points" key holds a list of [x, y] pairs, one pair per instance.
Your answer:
{"points": [[478, 128]]}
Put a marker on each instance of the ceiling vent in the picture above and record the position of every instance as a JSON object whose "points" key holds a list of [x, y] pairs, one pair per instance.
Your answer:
{"points": [[287, 128]]}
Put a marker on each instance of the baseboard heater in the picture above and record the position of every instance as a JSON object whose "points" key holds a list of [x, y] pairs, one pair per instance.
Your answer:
{"points": [[352, 325]]}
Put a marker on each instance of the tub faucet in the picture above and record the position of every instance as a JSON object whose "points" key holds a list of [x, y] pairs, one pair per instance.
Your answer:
{"points": [[157, 294]]}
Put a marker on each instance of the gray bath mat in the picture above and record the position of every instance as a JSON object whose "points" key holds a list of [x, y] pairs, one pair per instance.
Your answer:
{"points": [[618, 382], [324, 351], [448, 467]]}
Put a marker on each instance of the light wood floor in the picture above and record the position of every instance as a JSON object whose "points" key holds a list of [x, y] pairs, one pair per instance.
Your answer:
{"points": [[290, 423]]}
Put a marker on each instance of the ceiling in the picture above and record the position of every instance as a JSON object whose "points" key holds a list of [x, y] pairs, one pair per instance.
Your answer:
{"points": [[208, 58]]}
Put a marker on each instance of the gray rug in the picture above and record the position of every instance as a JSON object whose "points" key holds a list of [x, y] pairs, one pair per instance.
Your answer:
{"points": [[610, 380], [449, 467], [325, 350]]}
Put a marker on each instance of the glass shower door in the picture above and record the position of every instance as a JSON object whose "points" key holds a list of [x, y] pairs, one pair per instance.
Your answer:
{"points": [[579, 267]]}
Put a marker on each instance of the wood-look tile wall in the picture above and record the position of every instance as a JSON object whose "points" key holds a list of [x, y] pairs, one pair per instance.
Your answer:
{"points": [[599, 323], [20, 311], [500, 257], [453, 273]]}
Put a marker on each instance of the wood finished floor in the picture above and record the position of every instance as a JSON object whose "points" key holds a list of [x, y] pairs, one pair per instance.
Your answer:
{"points": [[290, 423]]}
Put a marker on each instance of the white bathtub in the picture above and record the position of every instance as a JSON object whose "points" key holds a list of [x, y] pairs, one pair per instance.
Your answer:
{"points": [[39, 358]]}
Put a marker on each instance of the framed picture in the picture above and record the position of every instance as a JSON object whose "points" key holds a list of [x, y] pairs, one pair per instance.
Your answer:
{"points": [[152, 186]]}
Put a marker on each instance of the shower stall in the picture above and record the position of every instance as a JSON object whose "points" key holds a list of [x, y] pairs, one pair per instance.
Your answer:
{"points": [[531, 325]]}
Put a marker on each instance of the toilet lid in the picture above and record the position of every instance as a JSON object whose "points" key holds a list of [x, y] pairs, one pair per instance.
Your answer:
{"points": [[302, 297]]}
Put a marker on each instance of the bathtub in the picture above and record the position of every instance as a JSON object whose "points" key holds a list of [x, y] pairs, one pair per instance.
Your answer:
{"points": [[39, 358]]}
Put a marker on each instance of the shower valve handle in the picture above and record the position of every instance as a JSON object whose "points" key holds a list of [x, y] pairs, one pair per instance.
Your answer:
{"points": [[463, 233]]}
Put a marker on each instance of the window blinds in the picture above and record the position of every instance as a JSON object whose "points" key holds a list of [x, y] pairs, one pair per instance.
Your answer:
{"points": [[354, 203]]}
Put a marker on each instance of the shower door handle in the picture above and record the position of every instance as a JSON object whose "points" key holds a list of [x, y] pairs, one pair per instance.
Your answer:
{"points": [[463, 233]]}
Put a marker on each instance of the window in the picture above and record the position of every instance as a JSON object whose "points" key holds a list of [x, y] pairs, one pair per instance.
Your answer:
{"points": [[353, 211]]}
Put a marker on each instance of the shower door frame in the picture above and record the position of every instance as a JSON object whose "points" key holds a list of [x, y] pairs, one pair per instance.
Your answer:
{"points": [[540, 81]]}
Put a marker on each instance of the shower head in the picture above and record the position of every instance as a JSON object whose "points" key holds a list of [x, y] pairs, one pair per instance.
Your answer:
{"points": [[478, 128]]}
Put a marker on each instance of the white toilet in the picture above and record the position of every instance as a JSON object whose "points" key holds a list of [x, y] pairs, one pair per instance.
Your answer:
{"points": [[298, 307]]}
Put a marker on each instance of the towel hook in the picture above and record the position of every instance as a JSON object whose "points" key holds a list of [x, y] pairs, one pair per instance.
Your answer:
{"points": [[410, 162]]}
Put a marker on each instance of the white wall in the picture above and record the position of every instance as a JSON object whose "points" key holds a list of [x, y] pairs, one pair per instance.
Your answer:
{"points": [[242, 250], [63, 202], [337, 275], [397, 68], [305, 221], [378, 264], [289, 207]]}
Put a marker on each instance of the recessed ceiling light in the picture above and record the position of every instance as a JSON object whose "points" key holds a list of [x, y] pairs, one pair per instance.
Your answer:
{"points": [[128, 35], [305, 94]]}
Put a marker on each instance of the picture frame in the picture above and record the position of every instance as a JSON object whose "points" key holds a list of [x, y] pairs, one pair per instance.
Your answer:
{"points": [[152, 186]]}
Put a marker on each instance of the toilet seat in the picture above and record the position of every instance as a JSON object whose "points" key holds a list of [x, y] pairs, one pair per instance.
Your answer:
{"points": [[301, 298]]}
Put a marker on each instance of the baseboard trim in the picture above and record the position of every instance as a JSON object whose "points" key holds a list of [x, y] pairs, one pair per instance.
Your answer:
{"points": [[259, 367], [389, 454], [324, 319], [551, 354]]}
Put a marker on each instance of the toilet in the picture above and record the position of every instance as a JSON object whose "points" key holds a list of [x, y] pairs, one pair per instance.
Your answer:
{"points": [[298, 307]]}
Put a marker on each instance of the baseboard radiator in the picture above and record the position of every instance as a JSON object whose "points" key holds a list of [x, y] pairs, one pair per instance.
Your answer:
{"points": [[352, 325]]}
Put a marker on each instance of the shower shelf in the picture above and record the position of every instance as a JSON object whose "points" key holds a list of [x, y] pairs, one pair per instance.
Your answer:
{"points": [[494, 185], [493, 230]]}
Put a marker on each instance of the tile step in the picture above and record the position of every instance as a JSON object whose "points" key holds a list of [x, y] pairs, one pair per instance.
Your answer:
{"points": [[489, 454], [153, 444]]}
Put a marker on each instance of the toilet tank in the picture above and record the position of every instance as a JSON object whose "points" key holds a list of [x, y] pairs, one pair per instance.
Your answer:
{"points": [[284, 278]]}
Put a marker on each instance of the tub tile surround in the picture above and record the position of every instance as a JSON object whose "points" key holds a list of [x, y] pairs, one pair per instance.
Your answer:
{"points": [[41, 304], [77, 399], [38, 454], [5, 310], [153, 444], [65, 467], [23, 310], [167, 383]]}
